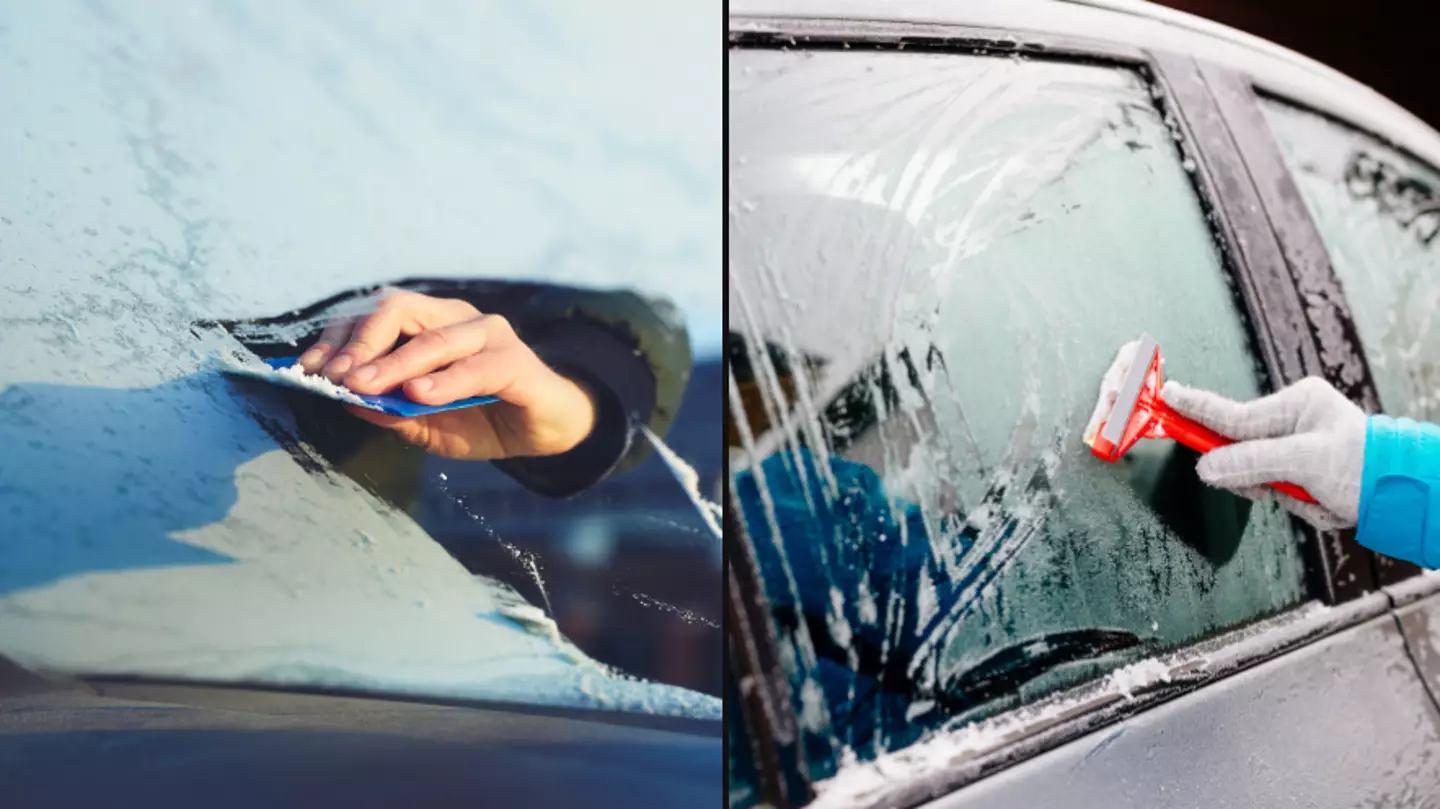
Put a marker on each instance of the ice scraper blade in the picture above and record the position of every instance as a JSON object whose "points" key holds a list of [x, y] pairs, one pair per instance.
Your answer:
{"points": [[1147, 354], [283, 371], [1139, 412]]}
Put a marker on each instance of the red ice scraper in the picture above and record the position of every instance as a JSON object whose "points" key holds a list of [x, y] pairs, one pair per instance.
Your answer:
{"points": [[1139, 412]]}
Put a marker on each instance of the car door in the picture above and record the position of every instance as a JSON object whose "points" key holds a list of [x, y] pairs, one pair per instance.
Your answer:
{"points": [[1348, 213], [1373, 205], [935, 250]]}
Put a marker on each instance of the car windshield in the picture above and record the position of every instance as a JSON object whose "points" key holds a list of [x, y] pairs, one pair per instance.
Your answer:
{"points": [[186, 184]]}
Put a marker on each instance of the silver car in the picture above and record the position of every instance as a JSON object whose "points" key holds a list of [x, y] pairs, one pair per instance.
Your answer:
{"points": [[944, 219]]}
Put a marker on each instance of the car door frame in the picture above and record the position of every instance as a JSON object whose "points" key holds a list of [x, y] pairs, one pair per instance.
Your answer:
{"points": [[1273, 255], [1344, 363], [1284, 274]]}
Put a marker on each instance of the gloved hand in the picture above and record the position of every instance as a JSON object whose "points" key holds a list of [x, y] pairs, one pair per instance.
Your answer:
{"points": [[1308, 434]]}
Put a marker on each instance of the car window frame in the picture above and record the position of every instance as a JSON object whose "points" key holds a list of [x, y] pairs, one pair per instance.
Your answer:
{"points": [[1281, 263], [753, 657], [1341, 360], [1257, 244]]}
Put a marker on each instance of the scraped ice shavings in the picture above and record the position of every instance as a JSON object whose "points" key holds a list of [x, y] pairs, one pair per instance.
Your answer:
{"points": [[294, 376], [533, 619], [1136, 676], [864, 783], [689, 480], [860, 783], [297, 376]]}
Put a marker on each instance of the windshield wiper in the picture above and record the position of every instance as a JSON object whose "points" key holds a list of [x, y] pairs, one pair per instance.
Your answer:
{"points": [[1004, 672], [1001, 674]]}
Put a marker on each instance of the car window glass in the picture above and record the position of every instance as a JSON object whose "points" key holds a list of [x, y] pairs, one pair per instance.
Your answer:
{"points": [[626, 567], [934, 259], [1378, 212], [166, 167]]}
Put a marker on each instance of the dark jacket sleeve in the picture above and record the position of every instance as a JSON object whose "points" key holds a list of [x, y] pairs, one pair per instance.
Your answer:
{"points": [[624, 387], [631, 352]]}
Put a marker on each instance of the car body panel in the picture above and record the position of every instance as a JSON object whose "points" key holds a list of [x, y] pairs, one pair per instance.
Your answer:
{"points": [[1341, 722], [953, 763], [1420, 624], [71, 743]]}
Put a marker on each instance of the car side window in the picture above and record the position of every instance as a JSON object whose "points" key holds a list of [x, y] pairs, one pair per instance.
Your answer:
{"points": [[1378, 212], [935, 257]]}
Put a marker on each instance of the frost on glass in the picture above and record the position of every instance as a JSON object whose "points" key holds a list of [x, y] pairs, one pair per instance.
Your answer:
{"points": [[935, 258], [166, 165], [1378, 212]]}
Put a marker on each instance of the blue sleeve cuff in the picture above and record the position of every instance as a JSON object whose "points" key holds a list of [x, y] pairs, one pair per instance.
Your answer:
{"points": [[1400, 491]]}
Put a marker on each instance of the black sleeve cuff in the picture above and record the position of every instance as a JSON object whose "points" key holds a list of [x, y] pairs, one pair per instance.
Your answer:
{"points": [[624, 389]]}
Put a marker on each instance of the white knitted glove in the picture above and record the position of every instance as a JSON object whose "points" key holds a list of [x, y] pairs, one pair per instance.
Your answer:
{"points": [[1308, 434]]}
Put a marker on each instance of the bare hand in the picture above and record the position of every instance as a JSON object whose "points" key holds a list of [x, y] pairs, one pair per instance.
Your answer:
{"points": [[454, 352]]}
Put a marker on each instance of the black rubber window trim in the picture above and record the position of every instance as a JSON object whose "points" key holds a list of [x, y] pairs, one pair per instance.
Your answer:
{"points": [[1339, 354]]}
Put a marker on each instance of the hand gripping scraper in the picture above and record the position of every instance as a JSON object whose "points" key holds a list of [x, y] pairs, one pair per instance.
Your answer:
{"points": [[1139, 412]]}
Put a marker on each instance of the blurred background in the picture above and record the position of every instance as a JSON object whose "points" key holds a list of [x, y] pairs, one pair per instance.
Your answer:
{"points": [[1378, 43]]}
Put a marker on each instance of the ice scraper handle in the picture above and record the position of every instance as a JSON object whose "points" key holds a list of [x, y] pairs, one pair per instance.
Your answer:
{"points": [[1292, 490], [1200, 438]]}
